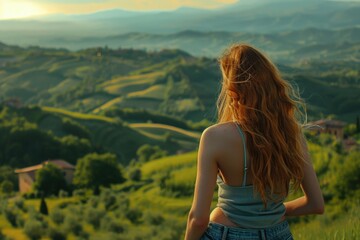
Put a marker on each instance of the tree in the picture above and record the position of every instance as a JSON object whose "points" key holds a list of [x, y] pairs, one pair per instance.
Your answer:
{"points": [[43, 207], [6, 187], [49, 180], [147, 152], [7, 173], [73, 148], [33, 229], [95, 170], [135, 174], [347, 182]]}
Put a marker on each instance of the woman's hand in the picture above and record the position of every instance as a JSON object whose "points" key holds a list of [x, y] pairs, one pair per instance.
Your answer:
{"points": [[312, 202]]}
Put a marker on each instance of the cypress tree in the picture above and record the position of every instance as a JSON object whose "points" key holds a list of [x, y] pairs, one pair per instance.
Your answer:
{"points": [[43, 207]]}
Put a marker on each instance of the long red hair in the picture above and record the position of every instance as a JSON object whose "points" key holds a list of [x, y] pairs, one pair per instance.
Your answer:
{"points": [[254, 95]]}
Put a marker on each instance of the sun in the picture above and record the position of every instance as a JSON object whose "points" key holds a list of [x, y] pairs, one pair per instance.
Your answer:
{"points": [[10, 9]]}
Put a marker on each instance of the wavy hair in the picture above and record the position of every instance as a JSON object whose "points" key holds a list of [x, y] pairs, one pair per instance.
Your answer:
{"points": [[266, 107]]}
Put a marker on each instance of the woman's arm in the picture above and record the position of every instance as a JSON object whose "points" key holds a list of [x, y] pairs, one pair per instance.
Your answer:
{"points": [[312, 202], [198, 218]]}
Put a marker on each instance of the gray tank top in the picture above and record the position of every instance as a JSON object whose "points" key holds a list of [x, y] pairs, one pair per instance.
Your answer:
{"points": [[243, 207]]}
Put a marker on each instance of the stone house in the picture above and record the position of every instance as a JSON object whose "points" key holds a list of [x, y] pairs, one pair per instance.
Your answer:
{"points": [[12, 102], [330, 126], [27, 175]]}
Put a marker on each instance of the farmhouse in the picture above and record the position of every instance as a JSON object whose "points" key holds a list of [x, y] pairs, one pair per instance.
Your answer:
{"points": [[27, 175], [330, 126], [12, 102]]}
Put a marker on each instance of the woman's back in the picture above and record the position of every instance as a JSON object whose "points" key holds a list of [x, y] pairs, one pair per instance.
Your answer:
{"points": [[232, 162], [237, 200]]}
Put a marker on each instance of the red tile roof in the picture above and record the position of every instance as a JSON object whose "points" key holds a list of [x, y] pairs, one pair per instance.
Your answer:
{"points": [[329, 123], [59, 163]]}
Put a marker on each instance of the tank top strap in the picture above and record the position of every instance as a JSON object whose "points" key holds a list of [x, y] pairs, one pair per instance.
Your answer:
{"points": [[244, 145]]}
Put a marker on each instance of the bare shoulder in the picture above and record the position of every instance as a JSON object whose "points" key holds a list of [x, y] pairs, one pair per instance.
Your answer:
{"points": [[215, 139], [219, 131]]}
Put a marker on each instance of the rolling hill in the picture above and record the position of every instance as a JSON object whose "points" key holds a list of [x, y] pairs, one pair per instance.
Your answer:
{"points": [[92, 132], [170, 82], [291, 46]]}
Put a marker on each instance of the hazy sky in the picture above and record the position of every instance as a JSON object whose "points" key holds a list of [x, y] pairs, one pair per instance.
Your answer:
{"points": [[26, 8]]}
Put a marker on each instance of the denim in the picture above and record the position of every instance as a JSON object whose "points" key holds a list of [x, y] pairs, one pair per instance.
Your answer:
{"points": [[217, 231]]}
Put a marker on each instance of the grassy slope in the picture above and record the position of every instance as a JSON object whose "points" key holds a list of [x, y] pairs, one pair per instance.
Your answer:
{"points": [[345, 227], [77, 115], [107, 132], [158, 128]]}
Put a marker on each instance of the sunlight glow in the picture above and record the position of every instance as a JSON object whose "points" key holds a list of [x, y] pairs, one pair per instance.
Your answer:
{"points": [[10, 9]]}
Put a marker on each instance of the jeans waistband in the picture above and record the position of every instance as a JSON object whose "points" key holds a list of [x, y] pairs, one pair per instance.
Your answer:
{"points": [[274, 230]]}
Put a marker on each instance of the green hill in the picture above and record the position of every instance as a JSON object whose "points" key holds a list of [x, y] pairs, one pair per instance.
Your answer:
{"points": [[71, 135], [169, 82]]}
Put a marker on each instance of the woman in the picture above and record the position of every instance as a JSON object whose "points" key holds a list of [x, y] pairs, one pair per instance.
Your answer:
{"points": [[254, 152]]}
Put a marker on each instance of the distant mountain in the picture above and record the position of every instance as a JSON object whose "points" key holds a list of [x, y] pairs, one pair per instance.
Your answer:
{"points": [[257, 17], [105, 14], [285, 46]]}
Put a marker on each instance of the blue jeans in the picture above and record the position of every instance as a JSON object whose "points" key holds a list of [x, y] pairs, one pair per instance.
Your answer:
{"points": [[217, 231]]}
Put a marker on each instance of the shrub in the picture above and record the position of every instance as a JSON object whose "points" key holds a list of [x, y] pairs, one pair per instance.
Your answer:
{"points": [[83, 236], [34, 215], [122, 206], [94, 216], [56, 234], [2, 236], [147, 152], [122, 202], [153, 218], [110, 225], [134, 215], [57, 216], [20, 204], [108, 235], [7, 187], [75, 210], [348, 179], [107, 198], [30, 195], [79, 193], [33, 229], [11, 216], [93, 201], [3, 205], [63, 205], [72, 224], [20, 220], [63, 194], [135, 174]]}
